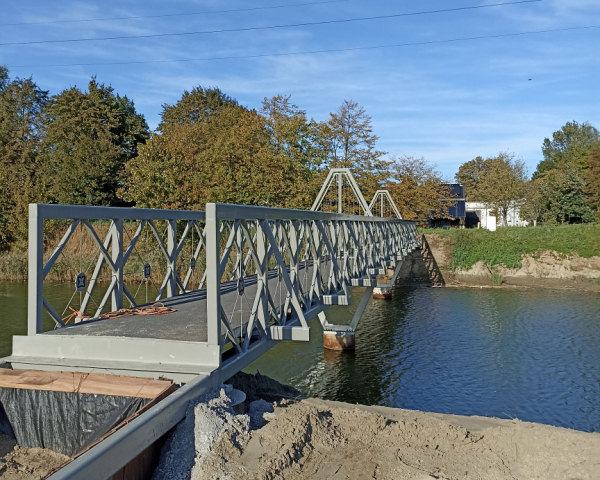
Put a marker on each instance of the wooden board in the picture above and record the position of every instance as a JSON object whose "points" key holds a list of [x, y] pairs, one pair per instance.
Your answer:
{"points": [[76, 382]]}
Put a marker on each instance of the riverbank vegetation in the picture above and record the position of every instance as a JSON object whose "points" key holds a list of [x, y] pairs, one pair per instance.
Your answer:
{"points": [[93, 147], [508, 245]]}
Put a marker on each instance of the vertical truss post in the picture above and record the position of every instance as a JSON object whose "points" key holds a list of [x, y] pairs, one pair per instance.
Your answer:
{"points": [[35, 271], [262, 276], [213, 276], [171, 246], [117, 258], [340, 181]]}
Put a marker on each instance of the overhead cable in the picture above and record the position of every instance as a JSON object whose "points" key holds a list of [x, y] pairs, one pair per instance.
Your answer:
{"points": [[181, 14], [269, 27], [310, 52]]}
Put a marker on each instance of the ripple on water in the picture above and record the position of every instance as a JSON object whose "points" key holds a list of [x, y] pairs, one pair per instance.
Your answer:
{"points": [[532, 354]]}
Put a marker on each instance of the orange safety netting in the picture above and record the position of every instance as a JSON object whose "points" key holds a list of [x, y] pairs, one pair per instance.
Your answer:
{"points": [[157, 308]]}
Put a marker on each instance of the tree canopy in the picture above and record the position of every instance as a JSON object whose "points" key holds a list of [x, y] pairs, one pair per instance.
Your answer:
{"points": [[498, 181], [568, 147], [228, 156], [350, 143], [195, 106], [21, 104], [416, 188], [468, 175], [89, 137]]}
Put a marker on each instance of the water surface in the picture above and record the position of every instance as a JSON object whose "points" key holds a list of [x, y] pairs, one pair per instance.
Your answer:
{"points": [[527, 354]]}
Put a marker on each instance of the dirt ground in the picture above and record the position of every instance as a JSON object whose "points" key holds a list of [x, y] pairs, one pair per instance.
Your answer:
{"points": [[19, 463], [316, 439]]}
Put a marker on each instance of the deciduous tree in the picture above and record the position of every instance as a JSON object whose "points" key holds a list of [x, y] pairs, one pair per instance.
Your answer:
{"points": [[568, 147], [502, 183], [225, 157], [89, 138], [469, 174], [417, 188], [591, 176], [535, 201], [563, 190], [195, 106], [350, 142]]}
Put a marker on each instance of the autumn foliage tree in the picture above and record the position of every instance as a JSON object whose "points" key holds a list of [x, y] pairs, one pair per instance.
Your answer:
{"points": [[416, 188], [225, 155], [349, 142]]}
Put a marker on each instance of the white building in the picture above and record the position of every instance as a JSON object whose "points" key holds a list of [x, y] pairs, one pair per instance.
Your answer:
{"points": [[486, 220]]}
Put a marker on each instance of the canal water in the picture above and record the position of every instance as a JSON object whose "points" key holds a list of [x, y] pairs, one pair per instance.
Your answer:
{"points": [[527, 354]]}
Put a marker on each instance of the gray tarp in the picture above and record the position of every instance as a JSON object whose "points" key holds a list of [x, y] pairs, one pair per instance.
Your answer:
{"points": [[61, 421]]}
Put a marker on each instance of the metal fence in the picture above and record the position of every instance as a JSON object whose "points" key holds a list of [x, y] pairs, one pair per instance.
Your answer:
{"points": [[141, 247]]}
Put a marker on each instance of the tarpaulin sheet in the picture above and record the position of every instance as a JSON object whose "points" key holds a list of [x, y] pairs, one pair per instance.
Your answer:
{"points": [[65, 422]]}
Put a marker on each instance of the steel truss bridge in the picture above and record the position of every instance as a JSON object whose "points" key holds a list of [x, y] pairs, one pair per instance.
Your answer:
{"points": [[240, 279]]}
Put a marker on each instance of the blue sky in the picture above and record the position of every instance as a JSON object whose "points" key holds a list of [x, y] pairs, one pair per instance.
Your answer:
{"points": [[436, 95]]}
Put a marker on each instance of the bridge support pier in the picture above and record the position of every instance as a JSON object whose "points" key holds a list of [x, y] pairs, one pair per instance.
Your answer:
{"points": [[333, 340], [385, 283]]}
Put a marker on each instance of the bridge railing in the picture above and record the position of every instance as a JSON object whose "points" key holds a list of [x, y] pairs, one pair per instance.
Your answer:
{"points": [[285, 265], [109, 258], [266, 271]]}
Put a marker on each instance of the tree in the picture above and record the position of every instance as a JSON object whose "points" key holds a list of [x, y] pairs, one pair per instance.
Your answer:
{"points": [[417, 188], [89, 138], [195, 106], [21, 102], [565, 198], [468, 175], [502, 183], [4, 77], [535, 201], [225, 157], [349, 142], [569, 147], [291, 134], [592, 179]]}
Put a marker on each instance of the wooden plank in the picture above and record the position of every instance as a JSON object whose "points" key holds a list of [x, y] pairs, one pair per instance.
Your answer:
{"points": [[77, 382]]}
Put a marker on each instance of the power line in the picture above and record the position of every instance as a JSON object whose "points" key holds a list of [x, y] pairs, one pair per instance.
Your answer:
{"points": [[183, 14], [270, 27], [309, 52]]}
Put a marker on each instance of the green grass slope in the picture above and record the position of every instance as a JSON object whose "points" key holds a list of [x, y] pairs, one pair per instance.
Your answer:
{"points": [[506, 245]]}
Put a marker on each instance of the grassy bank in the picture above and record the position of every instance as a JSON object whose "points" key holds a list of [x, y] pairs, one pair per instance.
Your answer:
{"points": [[507, 245]]}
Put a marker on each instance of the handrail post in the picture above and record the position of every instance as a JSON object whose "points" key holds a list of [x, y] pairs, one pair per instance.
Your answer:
{"points": [[117, 258], [213, 277], [35, 285], [171, 245]]}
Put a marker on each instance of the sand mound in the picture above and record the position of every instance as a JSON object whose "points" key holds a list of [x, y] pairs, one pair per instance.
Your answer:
{"points": [[19, 463], [316, 439]]}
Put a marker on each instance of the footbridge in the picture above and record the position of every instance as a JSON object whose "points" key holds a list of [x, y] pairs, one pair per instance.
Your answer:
{"points": [[233, 281], [191, 296]]}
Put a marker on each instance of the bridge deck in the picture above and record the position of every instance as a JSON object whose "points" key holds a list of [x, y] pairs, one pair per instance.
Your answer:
{"points": [[172, 345]]}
